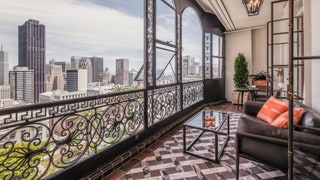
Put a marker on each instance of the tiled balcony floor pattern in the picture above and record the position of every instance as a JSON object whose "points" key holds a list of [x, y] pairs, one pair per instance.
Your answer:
{"points": [[165, 160]]}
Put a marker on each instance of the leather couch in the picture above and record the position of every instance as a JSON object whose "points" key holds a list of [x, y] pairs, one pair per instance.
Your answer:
{"points": [[259, 141]]}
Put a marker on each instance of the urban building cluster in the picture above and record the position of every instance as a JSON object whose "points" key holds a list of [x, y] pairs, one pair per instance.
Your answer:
{"points": [[33, 80]]}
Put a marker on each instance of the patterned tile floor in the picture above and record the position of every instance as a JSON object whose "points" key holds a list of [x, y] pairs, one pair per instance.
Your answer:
{"points": [[165, 160]]}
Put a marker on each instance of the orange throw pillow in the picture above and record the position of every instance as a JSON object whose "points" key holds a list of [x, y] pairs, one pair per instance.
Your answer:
{"points": [[282, 120], [272, 109]]}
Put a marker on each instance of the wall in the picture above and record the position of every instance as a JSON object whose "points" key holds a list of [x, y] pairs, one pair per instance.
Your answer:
{"points": [[253, 44], [307, 52], [315, 50], [259, 50]]}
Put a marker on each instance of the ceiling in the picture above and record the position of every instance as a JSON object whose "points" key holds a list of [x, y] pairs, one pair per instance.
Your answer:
{"points": [[233, 14]]}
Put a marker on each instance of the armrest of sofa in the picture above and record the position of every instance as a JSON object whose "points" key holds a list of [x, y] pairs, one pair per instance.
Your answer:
{"points": [[252, 108]]}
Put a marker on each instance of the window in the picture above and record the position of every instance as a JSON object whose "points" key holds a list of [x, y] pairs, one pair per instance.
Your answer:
{"points": [[101, 31], [192, 46], [217, 56], [165, 43]]}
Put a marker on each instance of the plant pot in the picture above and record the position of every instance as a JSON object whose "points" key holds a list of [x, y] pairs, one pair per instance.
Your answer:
{"points": [[260, 82]]}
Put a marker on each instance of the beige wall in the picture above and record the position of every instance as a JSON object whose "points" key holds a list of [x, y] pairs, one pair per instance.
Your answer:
{"points": [[315, 51], [253, 44]]}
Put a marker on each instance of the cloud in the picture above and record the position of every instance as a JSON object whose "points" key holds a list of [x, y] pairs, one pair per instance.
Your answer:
{"points": [[75, 28]]}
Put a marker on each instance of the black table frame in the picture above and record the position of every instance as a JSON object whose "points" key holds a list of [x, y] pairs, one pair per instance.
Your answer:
{"points": [[215, 131], [241, 91]]}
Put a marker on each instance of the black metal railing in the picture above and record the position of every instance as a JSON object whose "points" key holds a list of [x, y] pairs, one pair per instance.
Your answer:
{"points": [[38, 140]]}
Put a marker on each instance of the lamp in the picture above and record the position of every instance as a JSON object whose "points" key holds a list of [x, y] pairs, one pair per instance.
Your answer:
{"points": [[252, 6]]}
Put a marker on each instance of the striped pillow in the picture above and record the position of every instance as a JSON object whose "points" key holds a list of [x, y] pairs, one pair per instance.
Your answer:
{"points": [[272, 109], [282, 120]]}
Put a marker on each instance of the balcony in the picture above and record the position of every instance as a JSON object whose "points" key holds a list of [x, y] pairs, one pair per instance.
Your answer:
{"points": [[113, 135]]}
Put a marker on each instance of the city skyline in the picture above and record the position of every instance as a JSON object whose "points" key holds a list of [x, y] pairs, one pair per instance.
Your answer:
{"points": [[70, 32], [82, 35]]}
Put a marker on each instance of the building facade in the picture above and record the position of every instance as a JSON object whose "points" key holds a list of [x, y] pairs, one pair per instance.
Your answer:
{"points": [[132, 75], [55, 78], [32, 52], [4, 68], [76, 79], [21, 84], [97, 69], [122, 72]]}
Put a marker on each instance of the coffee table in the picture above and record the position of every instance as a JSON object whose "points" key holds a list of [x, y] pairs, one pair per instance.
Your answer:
{"points": [[219, 128]]}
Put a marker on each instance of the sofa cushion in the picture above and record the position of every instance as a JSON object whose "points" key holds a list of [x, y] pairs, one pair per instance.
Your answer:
{"points": [[282, 120], [310, 119], [272, 109]]}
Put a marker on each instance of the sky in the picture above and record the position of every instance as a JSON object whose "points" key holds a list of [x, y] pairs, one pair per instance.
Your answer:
{"points": [[111, 29]]}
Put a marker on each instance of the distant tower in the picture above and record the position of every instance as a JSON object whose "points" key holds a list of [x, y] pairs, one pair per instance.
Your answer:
{"points": [[32, 52], [132, 75], [97, 68], [188, 66], [122, 72], [76, 79], [21, 84], [4, 68]]}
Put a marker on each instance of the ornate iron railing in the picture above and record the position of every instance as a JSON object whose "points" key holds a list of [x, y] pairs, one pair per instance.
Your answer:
{"points": [[192, 93], [163, 102], [40, 139]]}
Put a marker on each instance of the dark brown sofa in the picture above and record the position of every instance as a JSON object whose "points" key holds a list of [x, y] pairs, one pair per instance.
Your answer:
{"points": [[259, 141]]}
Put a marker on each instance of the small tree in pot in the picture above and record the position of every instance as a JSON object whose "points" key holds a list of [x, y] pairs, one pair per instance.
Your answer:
{"points": [[241, 73]]}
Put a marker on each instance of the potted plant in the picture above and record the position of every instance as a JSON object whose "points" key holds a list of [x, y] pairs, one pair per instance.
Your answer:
{"points": [[240, 78], [259, 79], [241, 73]]}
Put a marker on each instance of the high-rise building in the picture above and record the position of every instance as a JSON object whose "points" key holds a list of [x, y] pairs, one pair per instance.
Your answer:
{"points": [[4, 92], [32, 52], [4, 67], [78, 62], [105, 76], [132, 74], [21, 84], [76, 79], [55, 78], [122, 72], [188, 66], [97, 68]]}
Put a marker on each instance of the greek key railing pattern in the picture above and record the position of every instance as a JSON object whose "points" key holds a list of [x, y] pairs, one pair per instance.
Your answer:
{"points": [[38, 141], [164, 103], [207, 55], [192, 93]]}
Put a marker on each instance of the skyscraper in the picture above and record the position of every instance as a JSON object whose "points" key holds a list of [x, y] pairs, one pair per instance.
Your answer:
{"points": [[97, 68], [122, 72], [78, 62], [76, 79], [21, 84], [4, 68], [32, 52]]}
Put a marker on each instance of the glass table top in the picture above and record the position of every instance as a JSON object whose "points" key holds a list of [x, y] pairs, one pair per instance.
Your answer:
{"points": [[208, 119]]}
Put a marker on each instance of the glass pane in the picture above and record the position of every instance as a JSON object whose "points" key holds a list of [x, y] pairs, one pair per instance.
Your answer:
{"points": [[96, 31], [166, 67], [192, 46], [216, 68], [166, 20]]}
